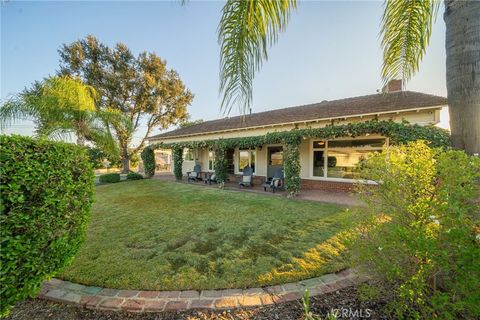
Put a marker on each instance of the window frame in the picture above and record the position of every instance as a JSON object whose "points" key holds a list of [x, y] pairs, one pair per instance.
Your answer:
{"points": [[237, 158], [325, 150], [187, 151], [212, 158], [267, 147]]}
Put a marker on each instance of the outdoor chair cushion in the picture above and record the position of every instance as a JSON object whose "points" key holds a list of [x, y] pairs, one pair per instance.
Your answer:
{"points": [[247, 179], [275, 183]]}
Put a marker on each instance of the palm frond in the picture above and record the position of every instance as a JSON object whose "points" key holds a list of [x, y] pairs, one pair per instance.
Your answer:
{"points": [[246, 30], [406, 30], [102, 138], [15, 109]]}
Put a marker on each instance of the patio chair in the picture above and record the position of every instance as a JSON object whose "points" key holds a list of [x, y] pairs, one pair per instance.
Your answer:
{"points": [[247, 179], [211, 177], [195, 174], [275, 182]]}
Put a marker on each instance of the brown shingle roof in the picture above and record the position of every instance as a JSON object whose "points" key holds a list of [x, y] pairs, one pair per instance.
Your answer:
{"points": [[370, 104]]}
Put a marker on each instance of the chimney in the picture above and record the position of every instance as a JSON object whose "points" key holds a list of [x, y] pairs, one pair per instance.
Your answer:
{"points": [[392, 86]]}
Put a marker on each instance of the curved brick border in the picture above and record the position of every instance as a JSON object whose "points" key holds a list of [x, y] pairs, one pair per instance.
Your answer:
{"points": [[156, 301]]}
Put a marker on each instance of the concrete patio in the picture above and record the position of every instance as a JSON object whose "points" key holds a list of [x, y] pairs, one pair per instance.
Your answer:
{"points": [[342, 198]]}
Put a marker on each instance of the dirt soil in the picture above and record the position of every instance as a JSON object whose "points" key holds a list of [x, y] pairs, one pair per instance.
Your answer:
{"points": [[345, 301]]}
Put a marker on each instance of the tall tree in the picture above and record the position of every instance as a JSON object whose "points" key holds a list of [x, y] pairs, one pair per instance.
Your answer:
{"points": [[248, 28], [140, 87], [59, 106]]}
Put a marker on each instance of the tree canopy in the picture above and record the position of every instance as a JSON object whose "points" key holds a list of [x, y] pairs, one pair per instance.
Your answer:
{"points": [[59, 106], [140, 87]]}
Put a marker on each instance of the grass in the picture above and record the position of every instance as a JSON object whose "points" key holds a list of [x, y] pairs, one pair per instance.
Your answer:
{"points": [[156, 235]]}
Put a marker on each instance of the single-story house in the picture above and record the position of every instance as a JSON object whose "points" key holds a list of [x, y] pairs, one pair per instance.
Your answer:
{"points": [[325, 164]]}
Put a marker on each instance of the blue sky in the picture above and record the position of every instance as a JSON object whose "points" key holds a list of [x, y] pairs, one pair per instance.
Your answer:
{"points": [[330, 50]]}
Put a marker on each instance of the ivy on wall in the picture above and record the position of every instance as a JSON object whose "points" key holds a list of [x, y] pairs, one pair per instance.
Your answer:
{"points": [[220, 163], [398, 133], [177, 154], [148, 157], [291, 166]]}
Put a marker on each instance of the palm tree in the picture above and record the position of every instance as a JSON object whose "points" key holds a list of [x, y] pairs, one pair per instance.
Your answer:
{"points": [[248, 28], [60, 106]]}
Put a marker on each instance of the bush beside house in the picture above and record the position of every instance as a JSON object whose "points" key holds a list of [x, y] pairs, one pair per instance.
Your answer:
{"points": [[46, 196]]}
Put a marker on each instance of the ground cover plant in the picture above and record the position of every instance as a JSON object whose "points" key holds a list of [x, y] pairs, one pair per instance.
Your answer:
{"points": [[157, 235]]}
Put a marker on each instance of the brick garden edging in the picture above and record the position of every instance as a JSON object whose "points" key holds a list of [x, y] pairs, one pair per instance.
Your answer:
{"points": [[156, 301]]}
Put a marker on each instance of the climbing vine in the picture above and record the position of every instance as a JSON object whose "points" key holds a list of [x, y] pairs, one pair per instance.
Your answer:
{"points": [[398, 133], [177, 154], [148, 157], [291, 165], [220, 163]]}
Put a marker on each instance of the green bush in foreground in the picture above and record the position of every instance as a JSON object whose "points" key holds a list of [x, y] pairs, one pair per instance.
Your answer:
{"points": [[134, 176], [46, 194], [422, 244], [110, 178]]}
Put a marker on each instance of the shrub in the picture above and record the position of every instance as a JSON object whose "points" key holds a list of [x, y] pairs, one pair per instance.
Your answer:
{"points": [[134, 176], [46, 194], [422, 241], [110, 178]]}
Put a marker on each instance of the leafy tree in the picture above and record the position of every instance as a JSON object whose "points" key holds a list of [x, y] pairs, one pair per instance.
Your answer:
{"points": [[248, 28], [139, 87], [59, 106]]}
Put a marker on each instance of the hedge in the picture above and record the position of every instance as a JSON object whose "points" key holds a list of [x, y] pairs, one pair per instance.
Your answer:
{"points": [[110, 178], [134, 176], [46, 196]]}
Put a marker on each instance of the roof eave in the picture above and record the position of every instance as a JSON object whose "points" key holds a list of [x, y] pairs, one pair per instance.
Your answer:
{"points": [[297, 122]]}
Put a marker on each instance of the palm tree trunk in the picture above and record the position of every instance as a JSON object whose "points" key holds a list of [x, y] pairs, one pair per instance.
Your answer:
{"points": [[462, 20]]}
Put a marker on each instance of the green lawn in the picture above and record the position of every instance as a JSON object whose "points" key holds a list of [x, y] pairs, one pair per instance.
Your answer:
{"points": [[156, 235]]}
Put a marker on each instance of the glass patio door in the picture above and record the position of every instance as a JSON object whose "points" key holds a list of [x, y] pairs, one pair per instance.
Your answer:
{"points": [[274, 160]]}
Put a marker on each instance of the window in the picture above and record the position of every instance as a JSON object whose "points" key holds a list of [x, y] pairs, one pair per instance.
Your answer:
{"points": [[188, 154], [275, 156], [246, 158], [318, 163], [344, 163], [211, 160], [230, 161], [359, 143], [318, 158], [340, 158]]}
